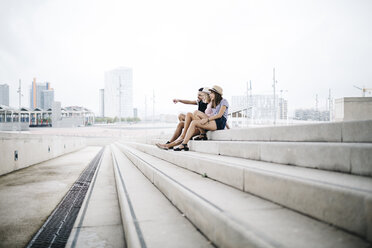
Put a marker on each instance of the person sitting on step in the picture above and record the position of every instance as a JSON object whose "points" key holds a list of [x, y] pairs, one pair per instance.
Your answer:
{"points": [[198, 115], [183, 119], [217, 121]]}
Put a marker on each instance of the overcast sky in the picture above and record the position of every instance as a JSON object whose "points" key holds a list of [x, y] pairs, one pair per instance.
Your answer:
{"points": [[175, 47]]}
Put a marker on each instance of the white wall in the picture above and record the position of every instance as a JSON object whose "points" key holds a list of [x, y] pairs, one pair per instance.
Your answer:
{"points": [[33, 149], [353, 108]]}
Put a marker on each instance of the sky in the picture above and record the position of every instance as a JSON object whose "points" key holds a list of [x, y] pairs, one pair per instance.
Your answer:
{"points": [[175, 47]]}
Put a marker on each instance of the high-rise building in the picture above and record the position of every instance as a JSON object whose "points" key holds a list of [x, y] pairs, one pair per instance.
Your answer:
{"points": [[135, 113], [41, 95], [118, 93], [260, 106], [47, 99], [4, 94], [102, 102]]}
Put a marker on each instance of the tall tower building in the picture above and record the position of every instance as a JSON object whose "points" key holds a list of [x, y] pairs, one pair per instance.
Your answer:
{"points": [[102, 102], [118, 93], [4, 94], [41, 95]]}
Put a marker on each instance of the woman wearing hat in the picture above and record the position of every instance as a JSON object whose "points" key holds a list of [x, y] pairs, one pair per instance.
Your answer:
{"points": [[217, 121], [180, 134]]}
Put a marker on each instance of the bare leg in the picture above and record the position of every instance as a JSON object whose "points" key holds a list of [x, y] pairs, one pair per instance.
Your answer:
{"points": [[196, 124], [178, 131], [181, 117], [189, 119], [198, 116]]}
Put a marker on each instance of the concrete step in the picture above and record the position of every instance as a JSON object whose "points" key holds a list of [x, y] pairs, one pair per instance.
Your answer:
{"points": [[353, 158], [348, 131], [99, 221], [232, 218], [150, 220], [339, 199]]}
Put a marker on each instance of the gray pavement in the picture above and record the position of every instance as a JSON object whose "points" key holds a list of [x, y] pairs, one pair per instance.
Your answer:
{"points": [[28, 196]]}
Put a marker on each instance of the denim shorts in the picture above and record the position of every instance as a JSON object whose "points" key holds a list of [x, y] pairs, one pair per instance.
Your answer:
{"points": [[221, 123]]}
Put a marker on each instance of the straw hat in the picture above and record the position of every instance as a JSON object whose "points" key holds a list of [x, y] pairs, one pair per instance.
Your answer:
{"points": [[217, 89]]}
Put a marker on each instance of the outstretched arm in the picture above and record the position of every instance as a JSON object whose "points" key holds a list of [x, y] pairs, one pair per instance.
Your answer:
{"points": [[185, 101]]}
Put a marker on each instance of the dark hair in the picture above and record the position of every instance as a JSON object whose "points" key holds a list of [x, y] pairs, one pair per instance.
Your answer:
{"points": [[217, 99], [201, 89]]}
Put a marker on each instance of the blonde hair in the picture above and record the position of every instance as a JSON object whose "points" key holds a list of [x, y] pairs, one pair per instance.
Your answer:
{"points": [[207, 98]]}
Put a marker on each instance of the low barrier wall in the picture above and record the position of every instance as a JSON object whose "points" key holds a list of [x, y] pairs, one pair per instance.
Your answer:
{"points": [[18, 151], [14, 126]]}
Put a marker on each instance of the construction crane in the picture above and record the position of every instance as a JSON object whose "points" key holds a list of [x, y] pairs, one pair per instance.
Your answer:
{"points": [[364, 90]]}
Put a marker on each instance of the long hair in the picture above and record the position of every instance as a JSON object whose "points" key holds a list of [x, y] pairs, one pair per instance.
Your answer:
{"points": [[217, 99], [207, 98]]}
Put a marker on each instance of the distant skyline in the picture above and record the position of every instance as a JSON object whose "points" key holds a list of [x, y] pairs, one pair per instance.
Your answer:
{"points": [[175, 47]]}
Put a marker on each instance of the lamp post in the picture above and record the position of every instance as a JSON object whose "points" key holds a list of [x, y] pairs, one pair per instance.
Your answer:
{"points": [[274, 84]]}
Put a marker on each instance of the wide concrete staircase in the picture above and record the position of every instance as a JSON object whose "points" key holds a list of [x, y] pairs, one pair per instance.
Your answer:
{"points": [[293, 186]]}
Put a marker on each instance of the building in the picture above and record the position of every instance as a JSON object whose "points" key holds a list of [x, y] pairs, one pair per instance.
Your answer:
{"points": [[102, 103], [260, 107], [135, 113], [118, 93], [283, 109], [257, 109], [353, 109], [4, 94], [41, 95], [12, 119], [311, 115], [47, 99]]}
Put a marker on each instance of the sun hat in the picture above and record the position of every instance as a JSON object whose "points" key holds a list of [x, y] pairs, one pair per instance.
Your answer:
{"points": [[217, 89]]}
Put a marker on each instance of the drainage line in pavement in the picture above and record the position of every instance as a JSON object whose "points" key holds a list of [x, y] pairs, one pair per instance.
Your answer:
{"points": [[57, 228]]}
